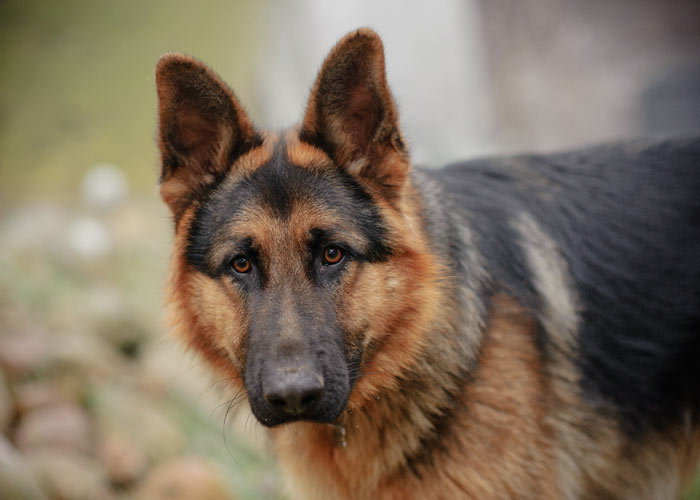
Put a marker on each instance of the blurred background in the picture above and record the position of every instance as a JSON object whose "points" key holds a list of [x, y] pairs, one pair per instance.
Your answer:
{"points": [[96, 402]]}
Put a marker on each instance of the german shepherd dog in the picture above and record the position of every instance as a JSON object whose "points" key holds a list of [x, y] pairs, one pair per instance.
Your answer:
{"points": [[524, 327]]}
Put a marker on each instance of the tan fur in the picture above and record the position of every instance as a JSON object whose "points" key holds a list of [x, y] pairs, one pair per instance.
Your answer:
{"points": [[303, 154], [250, 161]]}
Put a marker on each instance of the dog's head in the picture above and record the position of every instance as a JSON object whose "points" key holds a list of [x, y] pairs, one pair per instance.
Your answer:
{"points": [[300, 267]]}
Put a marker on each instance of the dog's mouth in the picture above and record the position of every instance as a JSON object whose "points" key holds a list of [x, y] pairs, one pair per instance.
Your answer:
{"points": [[298, 395], [271, 415]]}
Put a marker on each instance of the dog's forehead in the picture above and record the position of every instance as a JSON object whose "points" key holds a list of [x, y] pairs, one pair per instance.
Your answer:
{"points": [[283, 145], [282, 192], [281, 178]]}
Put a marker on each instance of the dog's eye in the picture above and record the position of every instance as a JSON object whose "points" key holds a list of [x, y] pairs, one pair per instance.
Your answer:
{"points": [[332, 255], [240, 264]]}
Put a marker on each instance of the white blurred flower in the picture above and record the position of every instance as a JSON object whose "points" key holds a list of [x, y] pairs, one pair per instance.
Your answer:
{"points": [[104, 185], [89, 238]]}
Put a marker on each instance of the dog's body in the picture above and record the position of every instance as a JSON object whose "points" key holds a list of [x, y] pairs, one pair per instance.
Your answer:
{"points": [[517, 328]]}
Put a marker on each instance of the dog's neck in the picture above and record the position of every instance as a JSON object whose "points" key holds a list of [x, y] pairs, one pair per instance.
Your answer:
{"points": [[392, 434]]}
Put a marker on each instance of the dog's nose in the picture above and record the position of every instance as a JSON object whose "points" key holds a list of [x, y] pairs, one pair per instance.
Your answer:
{"points": [[293, 391]]}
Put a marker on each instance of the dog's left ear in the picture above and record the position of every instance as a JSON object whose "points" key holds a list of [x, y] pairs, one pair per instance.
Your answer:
{"points": [[351, 114]]}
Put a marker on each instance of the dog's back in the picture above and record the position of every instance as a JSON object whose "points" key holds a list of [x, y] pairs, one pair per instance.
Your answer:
{"points": [[625, 219]]}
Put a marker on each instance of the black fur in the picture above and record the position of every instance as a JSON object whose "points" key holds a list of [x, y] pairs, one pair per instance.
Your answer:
{"points": [[318, 346], [626, 219]]}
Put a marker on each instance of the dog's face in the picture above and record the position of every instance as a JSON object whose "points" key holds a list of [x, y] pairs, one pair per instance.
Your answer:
{"points": [[299, 262], [288, 245]]}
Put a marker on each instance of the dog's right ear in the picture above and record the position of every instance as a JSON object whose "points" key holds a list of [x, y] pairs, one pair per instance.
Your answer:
{"points": [[202, 129], [351, 114]]}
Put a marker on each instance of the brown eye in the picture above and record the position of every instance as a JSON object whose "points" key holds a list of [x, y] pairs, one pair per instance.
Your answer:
{"points": [[240, 264], [332, 255]]}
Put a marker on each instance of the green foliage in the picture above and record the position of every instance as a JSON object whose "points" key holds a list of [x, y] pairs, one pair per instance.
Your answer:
{"points": [[77, 85]]}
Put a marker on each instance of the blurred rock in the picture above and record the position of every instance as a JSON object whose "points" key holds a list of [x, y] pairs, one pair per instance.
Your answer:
{"points": [[69, 475], [64, 426], [7, 405], [121, 458], [104, 186], [16, 479], [89, 238], [32, 395], [85, 355], [188, 478], [23, 352], [124, 411], [33, 352]]}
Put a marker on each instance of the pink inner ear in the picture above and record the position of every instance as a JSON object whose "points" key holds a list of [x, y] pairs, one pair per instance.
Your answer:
{"points": [[199, 137], [363, 116]]}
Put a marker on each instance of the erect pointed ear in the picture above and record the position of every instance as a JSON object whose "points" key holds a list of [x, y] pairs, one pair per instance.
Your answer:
{"points": [[351, 114], [202, 129]]}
